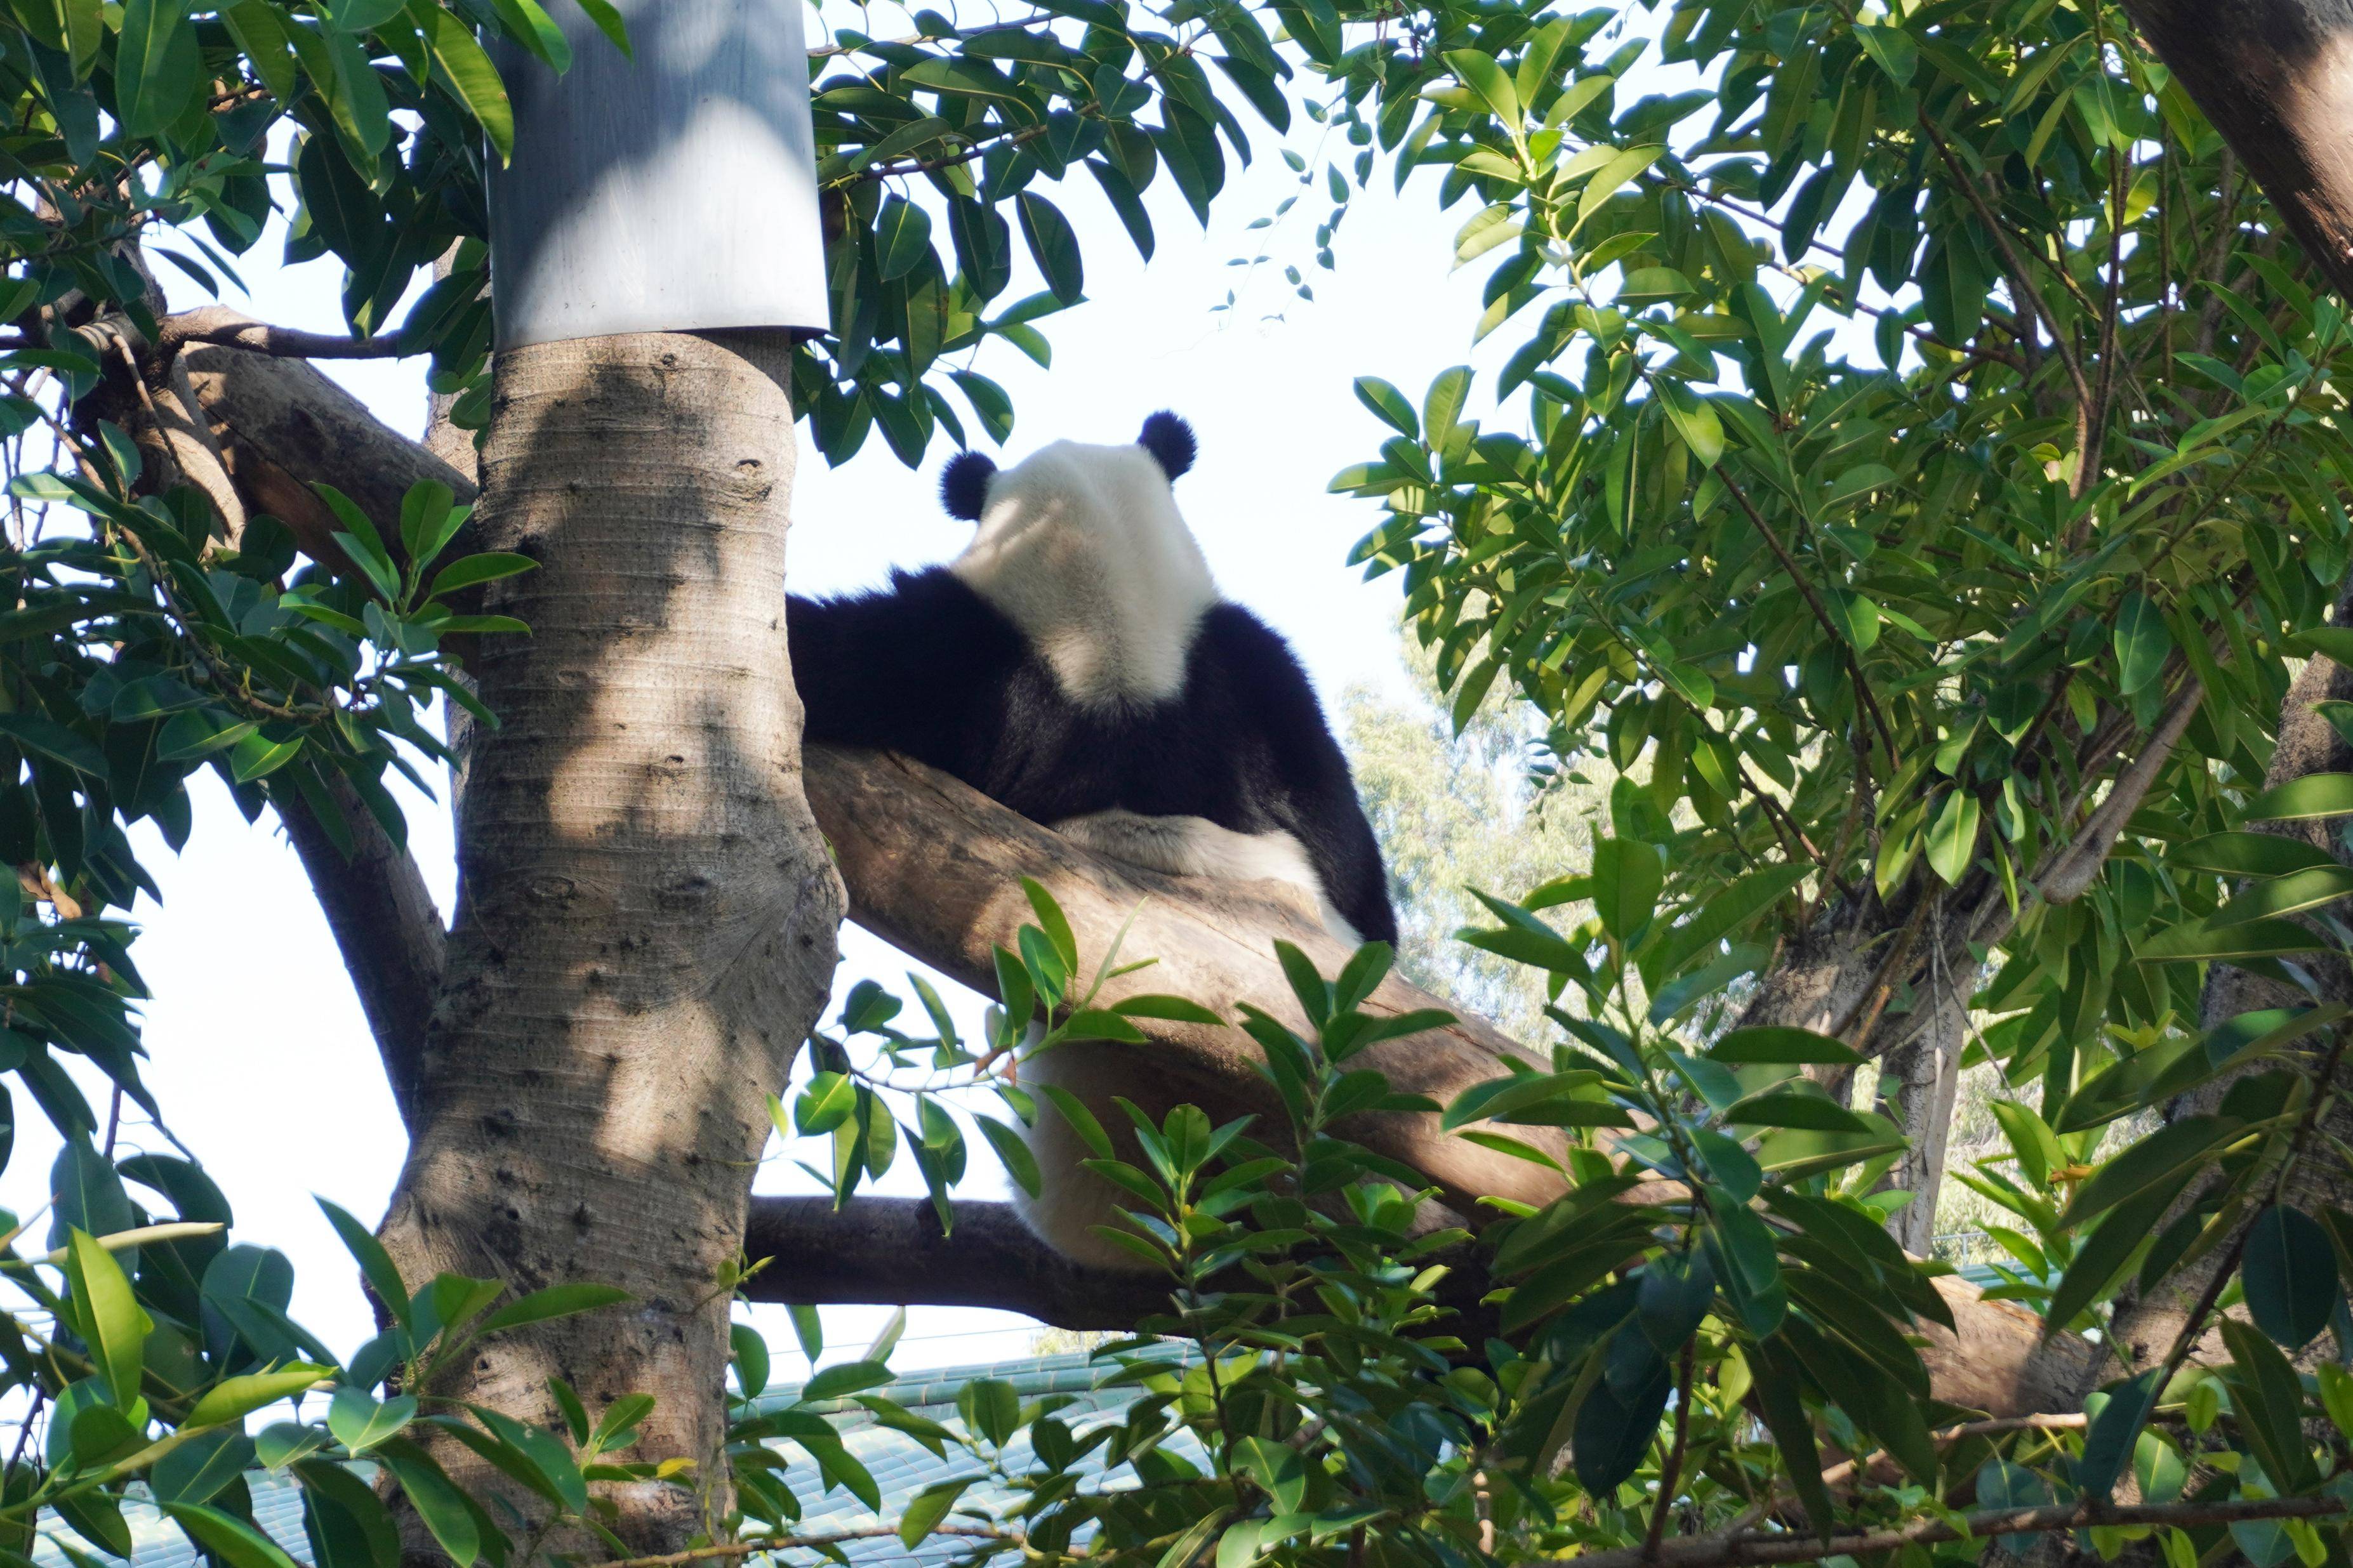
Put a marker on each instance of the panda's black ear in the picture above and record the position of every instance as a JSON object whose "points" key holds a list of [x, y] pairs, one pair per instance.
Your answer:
{"points": [[963, 485], [1170, 441]]}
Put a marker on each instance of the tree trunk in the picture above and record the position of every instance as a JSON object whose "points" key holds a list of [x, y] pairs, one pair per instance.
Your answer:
{"points": [[647, 923], [1919, 1082], [2277, 78]]}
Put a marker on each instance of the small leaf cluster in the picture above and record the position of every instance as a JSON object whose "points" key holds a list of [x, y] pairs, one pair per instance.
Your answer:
{"points": [[146, 1349]]}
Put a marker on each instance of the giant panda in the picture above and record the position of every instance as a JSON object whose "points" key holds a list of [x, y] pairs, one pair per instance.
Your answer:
{"points": [[1077, 663]]}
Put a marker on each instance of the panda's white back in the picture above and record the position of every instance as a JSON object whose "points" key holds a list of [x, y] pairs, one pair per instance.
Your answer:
{"points": [[1082, 548]]}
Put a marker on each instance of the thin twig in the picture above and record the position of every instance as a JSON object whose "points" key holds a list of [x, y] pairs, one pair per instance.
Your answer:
{"points": [[2014, 263], [1673, 1471], [1813, 602], [1840, 1472]]}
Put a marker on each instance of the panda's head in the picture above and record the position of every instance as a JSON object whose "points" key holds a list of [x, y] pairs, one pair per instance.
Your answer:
{"points": [[1083, 549], [965, 482]]}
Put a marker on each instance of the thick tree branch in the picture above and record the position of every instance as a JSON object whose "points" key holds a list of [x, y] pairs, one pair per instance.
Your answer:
{"points": [[384, 925], [2277, 78], [933, 868], [281, 426], [882, 1249]]}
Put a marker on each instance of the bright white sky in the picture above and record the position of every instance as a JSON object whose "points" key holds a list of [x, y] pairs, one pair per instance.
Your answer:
{"points": [[250, 993]]}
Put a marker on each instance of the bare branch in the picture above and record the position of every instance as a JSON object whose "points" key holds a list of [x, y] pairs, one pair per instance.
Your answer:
{"points": [[933, 868], [2079, 863], [282, 426], [218, 324], [891, 1250], [384, 925]]}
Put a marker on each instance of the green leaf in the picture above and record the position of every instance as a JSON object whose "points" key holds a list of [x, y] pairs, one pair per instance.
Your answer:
{"points": [[2247, 855], [2290, 895], [750, 1356], [2269, 1400], [555, 1301], [1695, 421], [108, 1315], [226, 1537], [1777, 1046], [1019, 1164], [2172, 1149], [1172, 1009], [54, 740], [2230, 939], [2143, 644], [608, 21], [849, 1377], [157, 67], [2031, 1137], [1891, 48], [1389, 404], [1777, 1401], [528, 21], [1053, 246], [902, 238], [462, 64], [1610, 177], [468, 570], [373, 1261], [347, 1523], [2114, 1428], [233, 1398], [1441, 405], [2289, 1274], [1054, 922], [437, 1500], [360, 1422], [2104, 1254], [1082, 1121], [1953, 837], [1784, 1107], [2300, 800], [1627, 880], [926, 1509], [826, 1104], [1483, 76]]}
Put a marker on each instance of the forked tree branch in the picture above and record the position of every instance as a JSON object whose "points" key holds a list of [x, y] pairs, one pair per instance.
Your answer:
{"points": [[932, 867]]}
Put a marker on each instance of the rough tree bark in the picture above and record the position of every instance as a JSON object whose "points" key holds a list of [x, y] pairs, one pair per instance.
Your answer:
{"points": [[647, 926]]}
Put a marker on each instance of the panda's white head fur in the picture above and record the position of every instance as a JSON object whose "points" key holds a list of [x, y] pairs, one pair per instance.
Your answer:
{"points": [[1082, 548]]}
